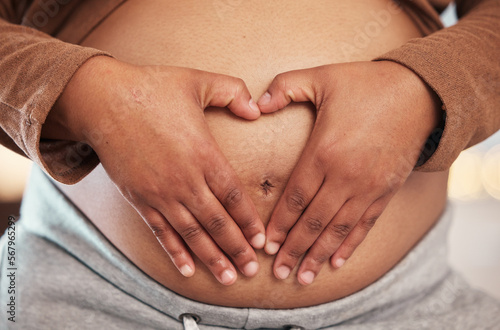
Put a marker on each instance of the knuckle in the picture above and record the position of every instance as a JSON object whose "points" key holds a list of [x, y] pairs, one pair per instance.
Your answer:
{"points": [[175, 253], [238, 252], [374, 212], [280, 84], [248, 223], [341, 230], [215, 261], [349, 247], [352, 172], [239, 85], [191, 233], [234, 86], [232, 197], [294, 254], [195, 193], [320, 258], [216, 224], [296, 200], [281, 228], [314, 225], [368, 223], [202, 199], [377, 182], [280, 81], [159, 231], [321, 160]]}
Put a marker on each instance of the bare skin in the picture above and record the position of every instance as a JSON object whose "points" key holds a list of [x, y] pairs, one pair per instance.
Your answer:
{"points": [[263, 153], [354, 172], [208, 194]]}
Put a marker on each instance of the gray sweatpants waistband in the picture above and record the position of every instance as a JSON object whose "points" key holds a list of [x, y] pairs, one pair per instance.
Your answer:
{"points": [[95, 284]]}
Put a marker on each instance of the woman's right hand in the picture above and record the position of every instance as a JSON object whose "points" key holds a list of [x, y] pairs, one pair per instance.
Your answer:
{"points": [[146, 124]]}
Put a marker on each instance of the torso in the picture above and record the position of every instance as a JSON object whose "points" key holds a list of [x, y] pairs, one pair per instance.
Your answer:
{"points": [[255, 40]]}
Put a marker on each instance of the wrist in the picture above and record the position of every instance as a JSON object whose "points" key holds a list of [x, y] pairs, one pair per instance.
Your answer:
{"points": [[428, 117], [74, 110], [424, 101]]}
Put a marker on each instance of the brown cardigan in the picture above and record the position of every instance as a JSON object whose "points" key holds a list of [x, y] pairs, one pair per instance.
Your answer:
{"points": [[461, 63]]}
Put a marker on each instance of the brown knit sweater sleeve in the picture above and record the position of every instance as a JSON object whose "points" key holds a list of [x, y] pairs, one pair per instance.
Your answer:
{"points": [[34, 69], [462, 65]]}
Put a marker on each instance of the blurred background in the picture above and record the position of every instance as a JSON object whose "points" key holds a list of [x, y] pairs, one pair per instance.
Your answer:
{"points": [[474, 191]]}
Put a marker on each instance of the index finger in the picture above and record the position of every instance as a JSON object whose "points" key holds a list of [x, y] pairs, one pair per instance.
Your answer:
{"points": [[228, 189], [304, 183]]}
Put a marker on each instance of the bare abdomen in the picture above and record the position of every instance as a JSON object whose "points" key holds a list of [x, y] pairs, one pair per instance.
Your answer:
{"points": [[255, 40]]}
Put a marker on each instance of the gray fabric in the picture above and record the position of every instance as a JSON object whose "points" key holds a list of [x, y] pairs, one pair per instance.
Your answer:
{"points": [[70, 277]]}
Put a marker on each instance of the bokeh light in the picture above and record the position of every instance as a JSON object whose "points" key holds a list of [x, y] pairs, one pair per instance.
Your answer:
{"points": [[14, 170], [491, 172], [476, 175], [465, 177]]}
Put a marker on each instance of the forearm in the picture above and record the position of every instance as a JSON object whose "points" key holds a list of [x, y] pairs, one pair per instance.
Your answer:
{"points": [[461, 65], [34, 69], [66, 120]]}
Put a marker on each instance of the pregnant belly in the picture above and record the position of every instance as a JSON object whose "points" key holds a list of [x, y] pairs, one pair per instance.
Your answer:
{"points": [[255, 40]]}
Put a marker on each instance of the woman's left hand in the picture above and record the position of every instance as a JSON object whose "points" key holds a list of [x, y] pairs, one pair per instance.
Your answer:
{"points": [[373, 119]]}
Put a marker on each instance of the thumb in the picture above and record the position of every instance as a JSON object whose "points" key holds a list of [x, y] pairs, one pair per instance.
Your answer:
{"points": [[292, 86], [226, 91]]}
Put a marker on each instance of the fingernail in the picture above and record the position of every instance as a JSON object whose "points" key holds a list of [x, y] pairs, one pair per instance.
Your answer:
{"points": [[307, 277], [186, 270], [253, 106], [264, 99], [272, 248], [283, 272], [227, 277], [258, 241], [251, 268], [339, 262]]}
